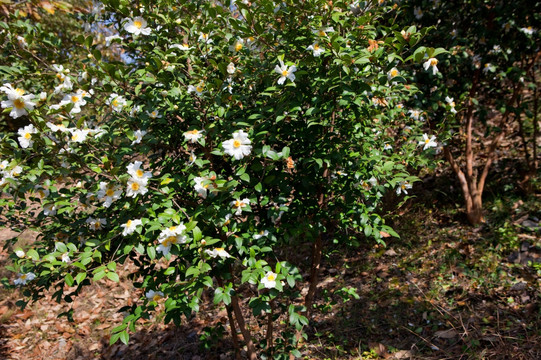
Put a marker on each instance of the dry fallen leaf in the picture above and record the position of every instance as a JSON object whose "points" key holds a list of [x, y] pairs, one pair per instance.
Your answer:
{"points": [[446, 334]]}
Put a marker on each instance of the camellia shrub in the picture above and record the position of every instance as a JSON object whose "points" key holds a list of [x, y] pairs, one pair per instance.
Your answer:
{"points": [[202, 142], [488, 91]]}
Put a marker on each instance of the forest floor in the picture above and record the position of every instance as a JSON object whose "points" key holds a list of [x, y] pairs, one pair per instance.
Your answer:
{"points": [[444, 290]]}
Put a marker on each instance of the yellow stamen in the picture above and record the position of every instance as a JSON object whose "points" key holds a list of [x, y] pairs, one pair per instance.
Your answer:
{"points": [[137, 24], [18, 103], [236, 144], [170, 241]]}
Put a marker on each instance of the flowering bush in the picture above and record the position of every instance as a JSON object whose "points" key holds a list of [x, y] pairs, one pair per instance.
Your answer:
{"points": [[488, 84], [198, 141]]}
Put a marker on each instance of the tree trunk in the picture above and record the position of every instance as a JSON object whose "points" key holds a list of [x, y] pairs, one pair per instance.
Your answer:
{"points": [[475, 210]]}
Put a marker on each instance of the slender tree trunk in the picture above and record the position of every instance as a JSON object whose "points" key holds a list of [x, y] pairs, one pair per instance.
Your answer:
{"points": [[234, 334], [243, 329], [314, 274]]}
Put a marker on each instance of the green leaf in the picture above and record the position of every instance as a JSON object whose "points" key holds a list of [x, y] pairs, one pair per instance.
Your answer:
{"points": [[113, 276], [125, 337], [99, 275], [69, 279], [151, 251], [197, 235], [80, 277]]}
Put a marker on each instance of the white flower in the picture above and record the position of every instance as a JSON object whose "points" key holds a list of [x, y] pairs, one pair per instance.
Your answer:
{"points": [[488, 67], [428, 142], [110, 39], [136, 187], [77, 99], [229, 85], [450, 101], [392, 73], [418, 13], [154, 114], [323, 31], [65, 85], [79, 135], [218, 252], [3, 165], [42, 96], [387, 147], [137, 26], [237, 46], [261, 234], [117, 102], [431, 63], [25, 136], [285, 72], [192, 158], [239, 146], [154, 295], [13, 173], [231, 68], [23, 278], [49, 210], [170, 236], [108, 193], [20, 253], [269, 280], [415, 114], [202, 189], [193, 135], [22, 41], [402, 187], [368, 184], [205, 38], [96, 224], [138, 134], [130, 226], [134, 169], [496, 49], [60, 70], [65, 257], [316, 49], [528, 30], [183, 47], [135, 110], [41, 192], [19, 102], [59, 127], [239, 204], [476, 60], [199, 89]]}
